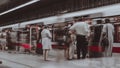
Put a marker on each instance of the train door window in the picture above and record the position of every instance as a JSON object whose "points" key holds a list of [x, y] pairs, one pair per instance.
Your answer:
{"points": [[117, 34]]}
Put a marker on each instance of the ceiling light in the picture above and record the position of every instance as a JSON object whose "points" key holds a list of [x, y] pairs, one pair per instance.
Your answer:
{"points": [[20, 6]]}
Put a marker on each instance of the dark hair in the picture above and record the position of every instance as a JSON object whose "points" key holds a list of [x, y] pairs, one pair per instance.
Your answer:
{"points": [[107, 21], [45, 26], [99, 21], [80, 19]]}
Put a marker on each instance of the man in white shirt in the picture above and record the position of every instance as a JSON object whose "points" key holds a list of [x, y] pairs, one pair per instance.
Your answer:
{"points": [[81, 30]]}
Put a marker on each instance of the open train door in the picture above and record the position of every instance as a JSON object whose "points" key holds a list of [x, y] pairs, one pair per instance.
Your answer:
{"points": [[95, 49]]}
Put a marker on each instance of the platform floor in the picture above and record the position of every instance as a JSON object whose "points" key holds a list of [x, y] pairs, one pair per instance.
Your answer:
{"points": [[17, 60]]}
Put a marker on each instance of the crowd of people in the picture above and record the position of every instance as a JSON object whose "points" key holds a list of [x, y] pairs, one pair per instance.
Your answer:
{"points": [[77, 37]]}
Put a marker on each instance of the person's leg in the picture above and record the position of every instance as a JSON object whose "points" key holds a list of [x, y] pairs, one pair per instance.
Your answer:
{"points": [[84, 51], [78, 52], [2, 47], [66, 53], [5, 47], [109, 51], [78, 46], [84, 47], [105, 51], [70, 52], [44, 54]]}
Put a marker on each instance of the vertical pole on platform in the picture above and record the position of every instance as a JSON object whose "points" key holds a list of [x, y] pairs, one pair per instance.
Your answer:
{"points": [[30, 37], [18, 42]]}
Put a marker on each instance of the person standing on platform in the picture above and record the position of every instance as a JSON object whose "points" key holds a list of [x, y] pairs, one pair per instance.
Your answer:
{"points": [[39, 49], [46, 41], [81, 30], [108, 29], [72, 45], [3, 41]]}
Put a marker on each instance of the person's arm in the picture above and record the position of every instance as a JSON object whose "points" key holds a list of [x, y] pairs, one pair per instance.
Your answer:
{"points": [[113, 30], [72, 28], [104, 30], [49, 34], [87, 30]]}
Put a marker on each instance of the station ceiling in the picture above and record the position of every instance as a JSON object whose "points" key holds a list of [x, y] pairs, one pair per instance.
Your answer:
{"points": [[11, 17], [44, 8]]}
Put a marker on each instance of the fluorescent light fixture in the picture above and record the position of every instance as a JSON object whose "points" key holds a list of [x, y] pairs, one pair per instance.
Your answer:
{"points": [[20, 6]]}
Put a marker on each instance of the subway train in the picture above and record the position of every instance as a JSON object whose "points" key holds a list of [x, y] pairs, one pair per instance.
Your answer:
{"points": [[105, 11]]}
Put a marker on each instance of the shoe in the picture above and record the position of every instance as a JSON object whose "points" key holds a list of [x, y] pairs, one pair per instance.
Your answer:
{"points": [[83, 57], [69, 59], [0, 62], [78, 58], [73, 58], [46, 60]]}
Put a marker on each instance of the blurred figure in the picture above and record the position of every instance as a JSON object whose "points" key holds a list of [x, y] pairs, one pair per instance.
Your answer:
{"points": [[108, 28], [39, 49], [46, 41], [72, 45], [3, 41], [81, 30]]}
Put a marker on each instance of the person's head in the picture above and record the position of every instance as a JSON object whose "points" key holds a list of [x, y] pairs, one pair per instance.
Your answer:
{"points": [[44, 26], [73, 21], [88, 20], [107, 21], [99, 21], [78, 19]]}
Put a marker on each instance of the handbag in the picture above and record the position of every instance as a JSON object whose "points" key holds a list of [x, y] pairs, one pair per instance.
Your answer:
{"points": [[39, 45], [105, 41]]}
